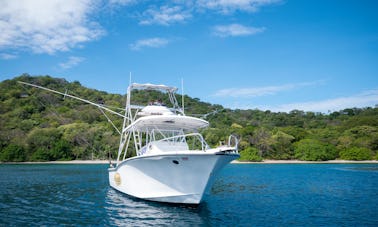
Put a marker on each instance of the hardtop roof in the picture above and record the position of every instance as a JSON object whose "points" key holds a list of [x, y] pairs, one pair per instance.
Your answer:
{"points": [[149, 86]]}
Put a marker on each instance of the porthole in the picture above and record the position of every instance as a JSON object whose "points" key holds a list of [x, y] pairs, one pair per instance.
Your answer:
{"points": [[175, 162]]}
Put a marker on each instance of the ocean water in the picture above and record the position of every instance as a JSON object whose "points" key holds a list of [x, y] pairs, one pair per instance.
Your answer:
{"points": [[242, 195]]}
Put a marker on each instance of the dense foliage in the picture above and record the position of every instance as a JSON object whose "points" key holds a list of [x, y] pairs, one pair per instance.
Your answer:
{"points": [[37, 125]]}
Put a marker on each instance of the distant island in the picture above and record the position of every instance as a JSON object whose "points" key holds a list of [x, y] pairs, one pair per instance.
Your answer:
{"points": [[36, 125]]}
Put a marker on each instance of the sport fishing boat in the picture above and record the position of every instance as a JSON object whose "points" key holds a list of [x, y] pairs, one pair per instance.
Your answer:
{"points": [[173, 162], [162, 156]]}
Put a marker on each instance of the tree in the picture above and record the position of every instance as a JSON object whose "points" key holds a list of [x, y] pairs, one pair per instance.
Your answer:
{"points": [[281, 146], [262, 140], [80, 137], [62, 150], [314, 150], [214, 136], [361, 136], [297, 132], [47, 144], [250, 154], [30, 117], [43, 138], [13, 153], [356, 153]]}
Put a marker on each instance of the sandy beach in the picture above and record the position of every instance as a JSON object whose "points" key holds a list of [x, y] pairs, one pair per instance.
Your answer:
{"points": [[64, 162], [307, 162], [233, 162]]}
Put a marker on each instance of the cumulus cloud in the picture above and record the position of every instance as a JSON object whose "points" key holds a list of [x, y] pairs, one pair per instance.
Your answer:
{"points": [[51, 26], [151, 42], [47, 26], [180, 11], [235, 30], [229, 6], [71, 62], [165, 15]]}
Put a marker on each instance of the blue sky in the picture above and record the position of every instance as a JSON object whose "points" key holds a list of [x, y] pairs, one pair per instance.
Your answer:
{"points": [[274, 55]]}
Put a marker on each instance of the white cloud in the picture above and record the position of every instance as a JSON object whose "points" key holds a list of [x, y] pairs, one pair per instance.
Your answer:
{"points": [[229, 6], [180, 11], [261, 91], [6, 56], [152, 42], [47, 26], [363, 99], [71, 62], [235, 30], [360, 100], [122, 2], [165, 15]]}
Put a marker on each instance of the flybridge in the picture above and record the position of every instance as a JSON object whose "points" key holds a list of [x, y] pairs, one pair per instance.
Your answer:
{"points": [[171, 91]]}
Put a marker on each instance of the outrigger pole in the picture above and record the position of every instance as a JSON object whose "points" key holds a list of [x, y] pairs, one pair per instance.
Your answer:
{"points": [[74, 97], [182, 95], [100, 107]]}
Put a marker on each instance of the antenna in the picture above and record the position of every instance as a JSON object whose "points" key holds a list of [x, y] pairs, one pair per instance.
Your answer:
{"points": [[130, 79], [182, 95]]}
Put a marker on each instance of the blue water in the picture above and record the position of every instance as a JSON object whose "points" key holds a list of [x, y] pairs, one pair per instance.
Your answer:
{"points": [[242, 195]]}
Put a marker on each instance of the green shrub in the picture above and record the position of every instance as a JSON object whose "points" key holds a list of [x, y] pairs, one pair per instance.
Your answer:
{"points": [[41, 154], [356, 153], [250, 154], [314, 150], [61, 150], [13, 153]]}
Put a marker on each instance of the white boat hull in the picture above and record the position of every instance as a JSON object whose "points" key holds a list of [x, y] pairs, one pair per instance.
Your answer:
{"points": [[173, 178]]}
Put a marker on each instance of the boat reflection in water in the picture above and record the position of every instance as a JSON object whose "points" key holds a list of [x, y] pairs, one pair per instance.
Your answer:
{"points": [[123, 210]]}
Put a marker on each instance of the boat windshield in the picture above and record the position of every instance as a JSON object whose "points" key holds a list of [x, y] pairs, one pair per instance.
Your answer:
{"points": [[172, 140]]}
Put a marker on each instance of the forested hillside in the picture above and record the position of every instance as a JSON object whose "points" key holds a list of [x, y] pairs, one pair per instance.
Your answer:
{"points": [[37, 125]]}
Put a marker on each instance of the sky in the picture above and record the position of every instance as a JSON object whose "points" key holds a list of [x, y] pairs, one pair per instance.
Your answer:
{"points": [[277, 55]]}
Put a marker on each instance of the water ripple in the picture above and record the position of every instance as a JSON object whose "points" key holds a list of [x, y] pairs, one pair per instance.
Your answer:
{"points": [[123, 210], [243, 195]]}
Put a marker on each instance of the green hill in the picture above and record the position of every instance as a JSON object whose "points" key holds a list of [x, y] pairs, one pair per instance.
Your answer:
{"points": [[37, 125]]}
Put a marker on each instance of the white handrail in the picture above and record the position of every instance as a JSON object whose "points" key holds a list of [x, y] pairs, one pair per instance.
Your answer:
{"points": [[236, 141], [204, 145]]}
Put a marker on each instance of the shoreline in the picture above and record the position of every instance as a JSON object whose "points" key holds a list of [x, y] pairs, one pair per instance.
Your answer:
{"points": [[268, 161], [233, 162], [64, 162]]}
